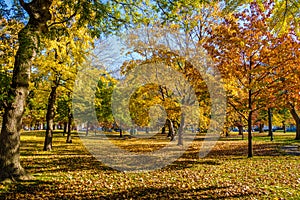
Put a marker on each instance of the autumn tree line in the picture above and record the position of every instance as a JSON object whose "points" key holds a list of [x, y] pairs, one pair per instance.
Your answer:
{"points": [[45, 43]]}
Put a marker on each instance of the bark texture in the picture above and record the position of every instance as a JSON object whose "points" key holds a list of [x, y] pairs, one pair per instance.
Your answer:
{"points": [[181, 130], [171, 133], [270, 123], [10, 166], [50, 119], [296, 117], [70, 118]]}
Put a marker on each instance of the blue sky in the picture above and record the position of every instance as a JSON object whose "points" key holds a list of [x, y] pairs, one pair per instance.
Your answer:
{"points": [[8, 2]]}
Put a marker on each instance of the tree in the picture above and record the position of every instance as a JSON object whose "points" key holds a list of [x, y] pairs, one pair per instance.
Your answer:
{"points": [[62, 111], [282, 117], [289, 92], [59, 62], [36, 103], [28, 37], [285, 14], [104, 90], [155, 53], [103, 17], [251, 60]]}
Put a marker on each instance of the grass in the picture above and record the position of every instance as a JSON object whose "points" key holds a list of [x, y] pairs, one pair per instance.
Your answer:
{"points": [[71, 172]]}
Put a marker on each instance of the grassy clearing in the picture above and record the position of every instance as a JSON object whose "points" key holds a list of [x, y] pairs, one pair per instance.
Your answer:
{"points": [[71, 172]]}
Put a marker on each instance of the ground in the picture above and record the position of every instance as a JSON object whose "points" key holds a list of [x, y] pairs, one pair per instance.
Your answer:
{"points": [[71, 172]]}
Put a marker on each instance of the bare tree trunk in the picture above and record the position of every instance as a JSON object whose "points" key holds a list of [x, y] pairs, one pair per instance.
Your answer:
{"points": [[121, 132], [10, 166], [87, 128], [270, 123], [297, 131], [69, 137], [225, 130], [181, 130], [297, 120], [250, 146], [50, 119], [70, 118], [171, 130], [240, 130], [283, 126], [261, 128], [227, 133], [65, 128], [163, 130]]}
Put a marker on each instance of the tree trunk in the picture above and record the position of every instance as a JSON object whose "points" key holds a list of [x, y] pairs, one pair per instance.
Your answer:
{"points": [[10, 166], [69, 137], [171, 130], [121, 132], [250, 146], [163, 130], [181, 130], [261, 128], [240, 130], [297, 120], [65, 128], [270, 123], [297, 131], [50, 118], [284, 127], [87, 128], [226, 131]]}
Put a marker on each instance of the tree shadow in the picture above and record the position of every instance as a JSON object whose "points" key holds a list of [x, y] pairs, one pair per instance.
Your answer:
{"points": [[21, 189], [210, 192], [69, 164], [52, 190], [67, 157]]}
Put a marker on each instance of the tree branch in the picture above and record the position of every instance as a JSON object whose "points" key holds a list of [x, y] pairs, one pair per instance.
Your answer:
{"points": [[64, 21], [234, 107]]}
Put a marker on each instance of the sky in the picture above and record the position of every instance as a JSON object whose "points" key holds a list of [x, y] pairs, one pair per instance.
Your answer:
{"points": [[8, 2]]}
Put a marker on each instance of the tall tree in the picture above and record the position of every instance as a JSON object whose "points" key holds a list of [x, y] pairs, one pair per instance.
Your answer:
{"points": [[251, 59], [59, 62], [38, 11], [289, 92]]}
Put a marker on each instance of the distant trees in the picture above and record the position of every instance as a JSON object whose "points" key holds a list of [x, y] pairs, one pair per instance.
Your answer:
{"points": [[103, 95]]}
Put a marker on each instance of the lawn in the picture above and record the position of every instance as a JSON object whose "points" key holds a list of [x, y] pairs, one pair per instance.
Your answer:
{"points": [[71, 172]]}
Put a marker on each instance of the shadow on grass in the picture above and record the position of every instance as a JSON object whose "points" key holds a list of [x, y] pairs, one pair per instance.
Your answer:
{"points": [[212, 192], [24, 189], [74, 157], [68, 164], [77, 160], [52, 190]]}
